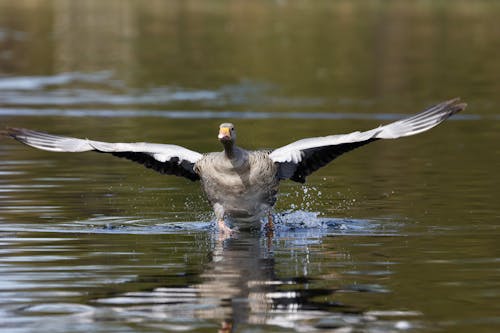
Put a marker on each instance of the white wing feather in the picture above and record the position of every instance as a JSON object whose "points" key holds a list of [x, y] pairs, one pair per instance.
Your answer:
{"points": [[56, 143], [418, 123]]}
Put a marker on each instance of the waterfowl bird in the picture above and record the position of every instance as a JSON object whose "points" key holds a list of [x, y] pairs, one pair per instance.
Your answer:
{"points": [[242, 185]]}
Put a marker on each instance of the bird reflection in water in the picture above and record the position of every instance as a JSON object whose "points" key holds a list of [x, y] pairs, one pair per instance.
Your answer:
{"points": [[241, 285]]}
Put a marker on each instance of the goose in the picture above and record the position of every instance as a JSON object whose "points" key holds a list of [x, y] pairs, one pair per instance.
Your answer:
{"points": [[242, 185]]}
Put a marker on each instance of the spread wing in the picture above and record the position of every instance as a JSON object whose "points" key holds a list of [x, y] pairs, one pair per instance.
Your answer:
{"points": [[167, 159], [301, 158]]}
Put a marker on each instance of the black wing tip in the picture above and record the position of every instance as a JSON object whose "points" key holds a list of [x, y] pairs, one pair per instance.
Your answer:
{"points": [[16, 133], [453, 106], [11, 131], [442, 110], [22, 135]]}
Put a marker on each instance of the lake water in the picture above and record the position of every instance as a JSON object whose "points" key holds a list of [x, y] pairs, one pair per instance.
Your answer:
{"points": [[397, 236]]}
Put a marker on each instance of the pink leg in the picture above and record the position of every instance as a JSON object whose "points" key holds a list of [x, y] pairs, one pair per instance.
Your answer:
{"points": [[224, 230]]}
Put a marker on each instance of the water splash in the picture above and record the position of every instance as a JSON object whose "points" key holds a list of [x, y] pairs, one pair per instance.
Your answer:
{"points": [[304, 197], [297, 223], [300, 220]]}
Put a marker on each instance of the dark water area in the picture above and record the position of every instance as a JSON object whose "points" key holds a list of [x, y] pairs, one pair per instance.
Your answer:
{"points": [[400, 235]]}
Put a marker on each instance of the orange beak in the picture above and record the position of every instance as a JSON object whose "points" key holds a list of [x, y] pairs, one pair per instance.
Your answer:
{"points": [[224, 132]]}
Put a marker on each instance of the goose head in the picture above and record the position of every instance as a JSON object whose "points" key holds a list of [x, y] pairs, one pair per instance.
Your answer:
{"points": [[227, 136]]}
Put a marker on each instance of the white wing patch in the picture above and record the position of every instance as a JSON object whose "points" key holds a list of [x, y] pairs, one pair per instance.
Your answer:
{"points": [[160, 152], [418, 123], [56, 143]]}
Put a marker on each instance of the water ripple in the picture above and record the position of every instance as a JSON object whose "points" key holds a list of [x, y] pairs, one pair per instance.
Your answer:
{"points": [[302, 226], [210, 114], [30, 83]]}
